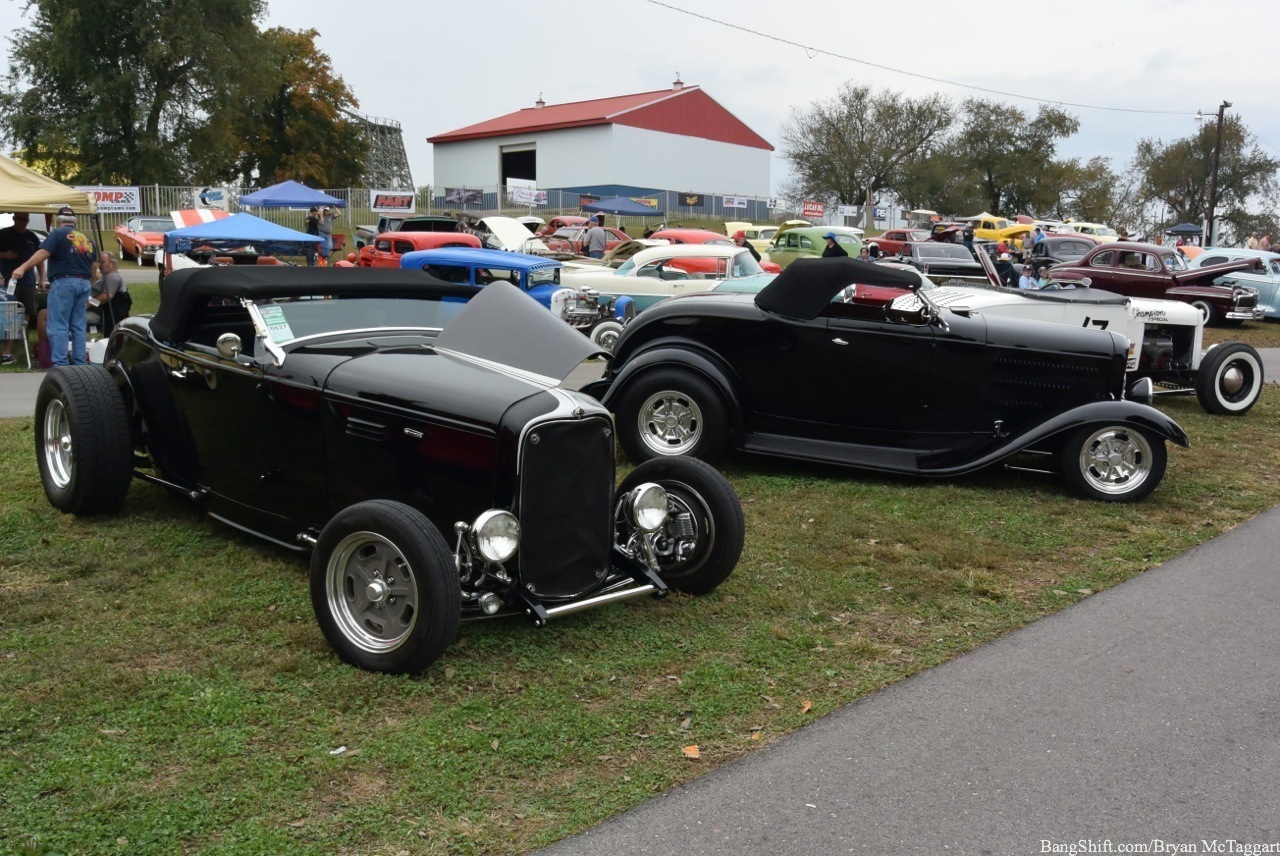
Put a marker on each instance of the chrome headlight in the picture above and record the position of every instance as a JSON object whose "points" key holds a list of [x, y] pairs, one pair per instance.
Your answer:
{"points": [[649, 507], [497, 535]]}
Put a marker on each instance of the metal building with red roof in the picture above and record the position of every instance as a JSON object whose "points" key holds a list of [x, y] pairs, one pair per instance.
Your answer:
{"points": [[677, 139]]}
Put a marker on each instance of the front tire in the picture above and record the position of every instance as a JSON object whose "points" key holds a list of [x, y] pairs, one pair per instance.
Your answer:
{"points": [[1230, 379], [1113, 463], [605, 334], [1212, 317], [384, 588], [671, 413], [699, 545], [83, 446]]}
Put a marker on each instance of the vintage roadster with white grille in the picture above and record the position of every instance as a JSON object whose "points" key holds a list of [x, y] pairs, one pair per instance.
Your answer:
{"points": [[411, 434]]}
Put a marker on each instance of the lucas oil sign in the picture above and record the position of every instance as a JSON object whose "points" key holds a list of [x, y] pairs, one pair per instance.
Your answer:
{"points": [[115, 200]]}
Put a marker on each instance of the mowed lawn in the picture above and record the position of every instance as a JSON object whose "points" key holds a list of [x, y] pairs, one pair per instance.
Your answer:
{"points": [[164, 688]]}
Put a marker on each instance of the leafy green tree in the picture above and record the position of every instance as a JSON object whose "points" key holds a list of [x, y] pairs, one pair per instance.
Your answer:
{"points": [[858, 143], [114, 91], [1175, 176], [290, 119]]}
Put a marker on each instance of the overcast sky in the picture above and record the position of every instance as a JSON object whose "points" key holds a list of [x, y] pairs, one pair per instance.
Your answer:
{"points": [[437, 66]]}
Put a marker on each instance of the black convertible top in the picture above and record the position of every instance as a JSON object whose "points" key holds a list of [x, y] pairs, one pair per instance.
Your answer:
{"points": [[806, 286], [184, 289]]}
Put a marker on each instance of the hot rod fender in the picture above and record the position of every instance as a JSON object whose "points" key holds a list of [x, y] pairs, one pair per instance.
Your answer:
{"points": [[1046, 434], [661, 356]]}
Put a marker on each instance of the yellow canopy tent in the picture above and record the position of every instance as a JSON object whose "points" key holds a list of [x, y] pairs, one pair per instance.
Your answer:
{"points": [[23, 189]]}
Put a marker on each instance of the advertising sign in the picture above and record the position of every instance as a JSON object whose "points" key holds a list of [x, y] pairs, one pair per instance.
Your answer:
{"points": [[813, 210], [847, 211], [213, 197], [115, 200], [391, 201], [643, 200], [691, 200], [587, 199], [463, 196], [735, 202], [878, 213], [526, 196]]}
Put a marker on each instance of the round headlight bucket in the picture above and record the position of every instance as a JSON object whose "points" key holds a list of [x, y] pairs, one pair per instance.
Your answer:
{"points": [[649, 507], [497, 535]]}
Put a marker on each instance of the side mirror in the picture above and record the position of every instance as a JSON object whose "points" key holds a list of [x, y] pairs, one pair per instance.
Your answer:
{"points": [[229, 346]]}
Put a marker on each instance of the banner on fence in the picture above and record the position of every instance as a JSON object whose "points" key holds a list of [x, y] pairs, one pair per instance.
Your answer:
{"points": [[586, 199], [213, 197], [463, 196], [847, 211], [644, 200], [391, 201], [813, 210], [735, 202], [526, 196], [690, 200], [115, 200]]}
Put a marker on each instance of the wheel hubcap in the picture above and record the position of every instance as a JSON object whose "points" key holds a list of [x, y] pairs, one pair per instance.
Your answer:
{"points": [[670, 423], [1115, 461], [370, 591], [57, 444], [1232, 380]]}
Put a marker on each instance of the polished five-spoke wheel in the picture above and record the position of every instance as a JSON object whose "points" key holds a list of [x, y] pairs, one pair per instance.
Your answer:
{"points": [[671, 413], [1115, 463]]}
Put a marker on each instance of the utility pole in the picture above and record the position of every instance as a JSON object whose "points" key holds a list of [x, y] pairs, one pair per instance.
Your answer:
{"points": [[1209, 236]]}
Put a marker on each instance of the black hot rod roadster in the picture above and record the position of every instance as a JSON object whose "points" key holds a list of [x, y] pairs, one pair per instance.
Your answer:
{"points": [[410, 433]]}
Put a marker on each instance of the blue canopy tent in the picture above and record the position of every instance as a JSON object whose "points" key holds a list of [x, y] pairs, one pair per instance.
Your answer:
{"points": [[239, 230], [622, 207], [289, 194]]}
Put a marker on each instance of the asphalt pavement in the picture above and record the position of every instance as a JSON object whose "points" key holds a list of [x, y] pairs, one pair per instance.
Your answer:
{"points": [[1145, 716]]}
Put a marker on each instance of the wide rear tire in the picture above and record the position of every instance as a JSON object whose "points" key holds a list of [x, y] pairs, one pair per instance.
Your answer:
{"points": [[1113, 463], [83, 445], [384, 588], [699, 545], [671, 413], [1229, 379]]}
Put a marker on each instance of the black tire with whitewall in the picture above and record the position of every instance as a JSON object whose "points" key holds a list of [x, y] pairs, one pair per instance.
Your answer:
{"points": [[606, 333], [83, 445], [1212, 317], [384, 588], [699, 545], [1229, 379], [671, 413], [1113, 462]]}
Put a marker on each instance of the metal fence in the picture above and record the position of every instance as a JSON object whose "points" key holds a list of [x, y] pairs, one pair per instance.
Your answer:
{"points": [[480, 201]]}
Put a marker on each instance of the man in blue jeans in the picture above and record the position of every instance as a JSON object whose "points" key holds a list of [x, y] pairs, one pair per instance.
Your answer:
{"points": [[73, 264]]}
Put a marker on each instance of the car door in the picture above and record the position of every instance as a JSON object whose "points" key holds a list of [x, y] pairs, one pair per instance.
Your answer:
{"points": [[1139, 274]]}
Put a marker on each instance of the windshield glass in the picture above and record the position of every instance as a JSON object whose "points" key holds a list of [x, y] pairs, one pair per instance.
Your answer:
{"points": [[567, 233], [156, 225], [544, 277], [290, 319], [1175, 262], [744, 264], [942, 251]]}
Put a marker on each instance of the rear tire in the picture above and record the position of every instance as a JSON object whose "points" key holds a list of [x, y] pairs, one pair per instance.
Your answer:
{"points": [[605, 334], [83, 445], [1230, 379], [384, 588], [671, 413], [1113, 463], [699, 545]]}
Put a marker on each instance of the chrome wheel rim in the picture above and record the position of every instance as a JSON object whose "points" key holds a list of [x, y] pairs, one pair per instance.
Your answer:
{"points": [[371, 593], [670, 423], [1115, 461], [1238, 381], [57, 444], [607, 339]]}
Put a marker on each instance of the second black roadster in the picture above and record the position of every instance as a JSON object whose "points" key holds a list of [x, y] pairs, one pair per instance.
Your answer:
{"points": [[798, 371], [410, 434]]}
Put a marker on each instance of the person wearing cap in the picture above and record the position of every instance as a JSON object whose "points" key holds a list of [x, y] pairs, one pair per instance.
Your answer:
{"points": [[313, 228], [833, 250], [17, 244], [72, 265], [596, 239], [740, 238]]}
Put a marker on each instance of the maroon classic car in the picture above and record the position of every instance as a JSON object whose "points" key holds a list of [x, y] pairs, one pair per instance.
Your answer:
{"points": [[890, 243], [1148, 270], [573, 239]]}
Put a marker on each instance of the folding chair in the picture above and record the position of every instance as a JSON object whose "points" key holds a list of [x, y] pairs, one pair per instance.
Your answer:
{"points": [[13, 316]]}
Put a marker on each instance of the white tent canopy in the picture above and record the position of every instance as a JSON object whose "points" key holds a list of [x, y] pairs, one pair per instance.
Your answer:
{"points": [[23, 189]]}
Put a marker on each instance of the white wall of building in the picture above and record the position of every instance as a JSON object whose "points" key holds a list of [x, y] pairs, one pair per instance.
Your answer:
{"points": [[613, 154]]}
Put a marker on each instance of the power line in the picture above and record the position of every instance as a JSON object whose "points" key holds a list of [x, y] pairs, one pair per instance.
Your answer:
{"points": [[812, 52]]}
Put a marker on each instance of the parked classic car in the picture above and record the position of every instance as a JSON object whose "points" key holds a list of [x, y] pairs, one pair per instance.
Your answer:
{"points": [[584, 309], [992, 228], [387, 249], [559, 222], [757, 236], [661, 272], [1094, 230], [1266, 280], [917, 389], [365, 235], [690, 236], [365, 417], [890, 243], [573, 240], [806, 242], [140, 238], [1061, 249], [940, 261], [1150, 270]]}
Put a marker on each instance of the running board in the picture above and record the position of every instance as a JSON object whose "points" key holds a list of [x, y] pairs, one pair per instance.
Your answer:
{"points": [[826, 451]]}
